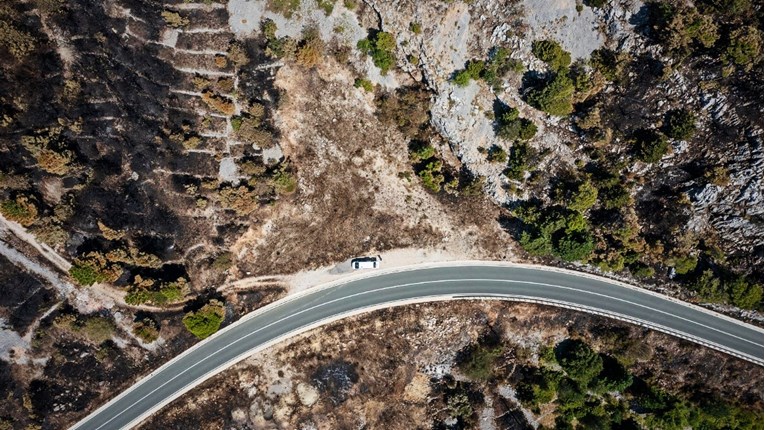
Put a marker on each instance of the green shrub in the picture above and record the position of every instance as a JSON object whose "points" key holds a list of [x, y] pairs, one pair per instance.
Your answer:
{"points": [[478, 365], [381, 46], [206, 320], [22, 210], [327, 6], [574, 246], [146, 330], [431, 176], [685, 265], [472, 71], [744, 47], [518, 161], [607, 62], [223, 262], [650, 145], [366, 84], [284, 7], [284, 182], [497, 155], [98, 329], [420, 151], [680, 124], [580, 362], [641, 270], [514, 128], [555, 96], [85, 274], [415, 27], [551, 53]]}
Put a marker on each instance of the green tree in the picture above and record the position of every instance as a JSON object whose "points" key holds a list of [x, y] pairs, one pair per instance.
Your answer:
{"points": [[710, 287], [381, 46], [574, 246], [514, 128], [551, 53], [584, 197], [744, 47], [680, 124], [420, 151], [497, 154], [650, 145], [580, 362], [555, 96], [685, 264], [744, 294]]}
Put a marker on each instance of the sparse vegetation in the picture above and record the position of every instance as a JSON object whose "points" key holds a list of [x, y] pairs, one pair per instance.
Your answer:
{"points": [[21, 209], [146, 330], [284, 7], [174, 19]]}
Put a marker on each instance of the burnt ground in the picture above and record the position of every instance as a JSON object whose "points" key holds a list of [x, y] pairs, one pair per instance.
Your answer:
{"points": [[23, 298], [392, 367]]}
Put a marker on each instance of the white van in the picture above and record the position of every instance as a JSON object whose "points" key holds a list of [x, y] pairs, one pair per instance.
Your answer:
{"points": [[366, 263]]}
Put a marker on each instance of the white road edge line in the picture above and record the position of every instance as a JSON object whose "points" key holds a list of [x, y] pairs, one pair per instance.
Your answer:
{"points": [[524, 298]]}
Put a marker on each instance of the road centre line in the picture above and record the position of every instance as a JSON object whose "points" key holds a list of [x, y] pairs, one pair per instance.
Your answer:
{"points": [[362, 293]]}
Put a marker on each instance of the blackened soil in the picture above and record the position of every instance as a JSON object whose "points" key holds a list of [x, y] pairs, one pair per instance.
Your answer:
{"points": [[23, 298]]}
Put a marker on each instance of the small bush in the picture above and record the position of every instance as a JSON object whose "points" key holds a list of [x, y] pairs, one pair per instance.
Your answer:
{"points": [[284, 182], [146, 330], [478, 365], [206, 320], [514, 128], [551, 53], [381, 46], [415, 27], [223, 262], [497, 155], [310, 50], [22, 210], [680, 124], [650, 146], [174, 19], [327, 6], [284, 7], [472, 71], [518, 161], [431, 176], [366, 84], [555, 96]]}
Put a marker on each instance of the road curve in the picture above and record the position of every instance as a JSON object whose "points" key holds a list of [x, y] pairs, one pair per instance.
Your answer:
{"points": [[319, 306]]}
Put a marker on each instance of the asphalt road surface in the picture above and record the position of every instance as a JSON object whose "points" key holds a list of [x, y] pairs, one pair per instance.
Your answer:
{"points": [[297, 314]]}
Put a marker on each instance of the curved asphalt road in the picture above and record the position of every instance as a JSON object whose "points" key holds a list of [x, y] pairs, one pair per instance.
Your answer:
{"points": [[291, 315]]}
